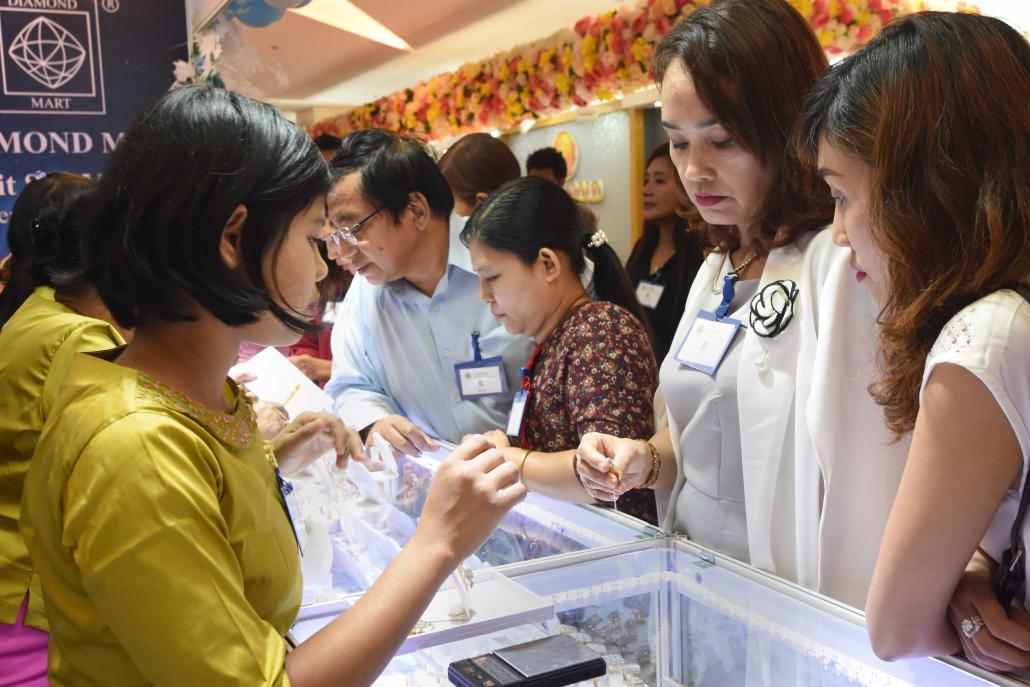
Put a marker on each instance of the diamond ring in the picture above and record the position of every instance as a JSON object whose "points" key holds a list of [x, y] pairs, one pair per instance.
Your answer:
{"points": [[972, 625]]}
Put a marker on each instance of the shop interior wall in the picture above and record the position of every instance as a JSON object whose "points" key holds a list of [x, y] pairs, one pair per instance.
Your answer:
{"points": [[604, 147]]}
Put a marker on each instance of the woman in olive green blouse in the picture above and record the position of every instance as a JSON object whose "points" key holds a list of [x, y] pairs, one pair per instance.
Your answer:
{"points": [[152, 510], [40, 331]]}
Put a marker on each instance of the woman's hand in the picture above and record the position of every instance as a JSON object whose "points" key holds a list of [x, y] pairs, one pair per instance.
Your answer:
{"points": [[610, 466], [1003, 643], [473, 489], [272, 418], [315, 369], [495, 436], [309, 436]]}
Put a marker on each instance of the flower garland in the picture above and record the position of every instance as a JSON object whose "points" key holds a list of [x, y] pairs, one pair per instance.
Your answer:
{"points": [[599, 59]]}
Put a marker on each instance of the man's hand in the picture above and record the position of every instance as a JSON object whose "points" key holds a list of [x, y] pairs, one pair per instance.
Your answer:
{"points": [[405, 437]]}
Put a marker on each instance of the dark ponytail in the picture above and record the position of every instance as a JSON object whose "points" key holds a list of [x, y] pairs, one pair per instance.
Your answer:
{"points": [[530, 213], [43, 237]]}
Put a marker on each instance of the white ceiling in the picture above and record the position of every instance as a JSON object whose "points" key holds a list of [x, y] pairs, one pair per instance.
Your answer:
{"points": [[326, 66]]}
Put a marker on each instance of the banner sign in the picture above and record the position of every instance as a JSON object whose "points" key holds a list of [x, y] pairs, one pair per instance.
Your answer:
{"points": [[73, 75]]}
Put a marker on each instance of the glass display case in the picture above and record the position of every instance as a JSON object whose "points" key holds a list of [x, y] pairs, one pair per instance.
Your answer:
{"points": [[352, 523], [666, 613]]}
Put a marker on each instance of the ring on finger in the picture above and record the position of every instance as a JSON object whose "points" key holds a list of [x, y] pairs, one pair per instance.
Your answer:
{"points": [[972, 625]]}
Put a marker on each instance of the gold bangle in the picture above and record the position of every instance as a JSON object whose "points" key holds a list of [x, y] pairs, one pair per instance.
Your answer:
{"points": [[656, 466], [522, 463]]}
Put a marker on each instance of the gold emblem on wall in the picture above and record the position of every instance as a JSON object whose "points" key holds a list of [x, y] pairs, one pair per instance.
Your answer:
{"points": [[585, 191], [565, 144]]}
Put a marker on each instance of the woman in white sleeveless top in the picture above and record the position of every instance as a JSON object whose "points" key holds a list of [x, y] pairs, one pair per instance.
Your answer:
{"points": [[924, 140]]}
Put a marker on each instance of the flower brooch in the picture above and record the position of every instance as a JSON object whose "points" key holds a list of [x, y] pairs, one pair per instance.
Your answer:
{"points": [[772, 308]]}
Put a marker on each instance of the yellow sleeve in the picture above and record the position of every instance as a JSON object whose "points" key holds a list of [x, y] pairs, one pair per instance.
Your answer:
{"points": [[142, 518], [88, 337]]}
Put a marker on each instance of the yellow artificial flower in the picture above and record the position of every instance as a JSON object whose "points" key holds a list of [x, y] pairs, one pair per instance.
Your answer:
{"points": [[563, 83]]}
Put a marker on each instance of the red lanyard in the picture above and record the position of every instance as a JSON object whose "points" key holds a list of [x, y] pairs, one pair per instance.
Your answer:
{"points": [[527, 386]]}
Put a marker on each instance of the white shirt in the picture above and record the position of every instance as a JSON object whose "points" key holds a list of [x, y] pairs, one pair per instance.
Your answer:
{"points": [[708, 502], [394, 351], [991, 339]]}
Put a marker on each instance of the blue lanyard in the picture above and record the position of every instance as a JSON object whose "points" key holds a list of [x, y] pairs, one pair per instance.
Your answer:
{"points": [[728, 290]]}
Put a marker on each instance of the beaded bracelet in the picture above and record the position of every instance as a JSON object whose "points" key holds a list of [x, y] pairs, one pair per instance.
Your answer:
{"points": [[656, 466]]}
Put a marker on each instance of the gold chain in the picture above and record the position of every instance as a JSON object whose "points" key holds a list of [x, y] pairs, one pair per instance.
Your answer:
{"points": [[716, 288]]}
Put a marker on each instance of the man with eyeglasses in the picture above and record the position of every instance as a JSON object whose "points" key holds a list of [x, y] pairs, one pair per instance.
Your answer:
{"points": [[412, 340]]}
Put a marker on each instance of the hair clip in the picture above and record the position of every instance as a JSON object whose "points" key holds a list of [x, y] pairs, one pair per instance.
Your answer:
{"points": [[597, 239], [37, 175]]}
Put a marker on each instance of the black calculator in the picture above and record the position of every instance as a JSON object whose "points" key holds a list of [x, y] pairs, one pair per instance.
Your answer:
{"points": [[548, 662]]}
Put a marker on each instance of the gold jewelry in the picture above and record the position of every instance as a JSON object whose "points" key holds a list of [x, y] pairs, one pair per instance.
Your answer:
{"points": [[656, 466], [522, 463], [615, 468], [734, 271], [465, 572], [421, 627]]}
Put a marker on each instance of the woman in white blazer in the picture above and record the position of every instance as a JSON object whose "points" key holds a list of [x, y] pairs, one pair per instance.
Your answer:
{"points": [[747, 462]]}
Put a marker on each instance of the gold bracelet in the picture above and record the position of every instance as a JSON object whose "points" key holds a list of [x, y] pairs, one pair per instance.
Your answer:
{"points": [[656, 466], [522, 463]]}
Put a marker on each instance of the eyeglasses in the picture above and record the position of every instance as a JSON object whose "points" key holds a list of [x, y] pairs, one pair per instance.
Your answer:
{"points": [[349, 233]]}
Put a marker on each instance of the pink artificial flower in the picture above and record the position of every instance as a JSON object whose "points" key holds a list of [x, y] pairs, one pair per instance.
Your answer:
{"points": [[639, 24]]}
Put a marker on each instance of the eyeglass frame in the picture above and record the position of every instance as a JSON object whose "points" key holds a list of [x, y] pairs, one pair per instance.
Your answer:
{"points": [[349, 233]]}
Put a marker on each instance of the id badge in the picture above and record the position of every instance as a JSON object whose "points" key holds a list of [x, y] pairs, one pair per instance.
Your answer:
{"points": [[479, 378], [649, 294], [707, 341], [518, 409]]}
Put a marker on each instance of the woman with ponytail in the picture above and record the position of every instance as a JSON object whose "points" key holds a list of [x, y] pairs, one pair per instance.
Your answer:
{"points": [[593, 369], [41, 329]]}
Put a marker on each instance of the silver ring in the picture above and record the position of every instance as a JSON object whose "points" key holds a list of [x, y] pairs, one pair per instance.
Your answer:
{"points": [[972, 625]]}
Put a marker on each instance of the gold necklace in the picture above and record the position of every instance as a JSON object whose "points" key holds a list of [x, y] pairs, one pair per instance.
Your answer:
{"points": [[716, 288]]}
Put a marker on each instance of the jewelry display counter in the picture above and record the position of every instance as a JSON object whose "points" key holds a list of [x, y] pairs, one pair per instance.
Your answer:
{"points": [[661, 610], [666, 613], [352, 523]]}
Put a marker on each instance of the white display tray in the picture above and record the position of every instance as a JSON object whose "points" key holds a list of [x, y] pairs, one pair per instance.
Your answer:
{"points": [[497, 603]]}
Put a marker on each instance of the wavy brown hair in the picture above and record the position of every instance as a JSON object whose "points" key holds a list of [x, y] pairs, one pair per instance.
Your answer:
{"points": [[938, 105], [753, 62]]}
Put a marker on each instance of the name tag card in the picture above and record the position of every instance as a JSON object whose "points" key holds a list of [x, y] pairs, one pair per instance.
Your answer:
{"points": [[707, 341], [649, 294], [518, 409], [479, 378]]}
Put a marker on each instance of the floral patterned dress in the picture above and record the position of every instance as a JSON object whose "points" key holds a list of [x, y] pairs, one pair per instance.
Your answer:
{"points": [[595, 373]]}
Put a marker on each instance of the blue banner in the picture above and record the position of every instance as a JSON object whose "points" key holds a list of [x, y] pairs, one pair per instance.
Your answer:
{"points": [[74, 74]]}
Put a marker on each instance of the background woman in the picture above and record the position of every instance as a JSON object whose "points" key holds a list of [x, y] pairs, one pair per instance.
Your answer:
{"points": [[742, 477], [665, 259], [40, 330], [153, 508], [475, 166], [946, 253], [592, 370]]}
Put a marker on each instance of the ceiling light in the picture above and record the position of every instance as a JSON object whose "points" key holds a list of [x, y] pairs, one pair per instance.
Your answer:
{"points": [[346, 16]]}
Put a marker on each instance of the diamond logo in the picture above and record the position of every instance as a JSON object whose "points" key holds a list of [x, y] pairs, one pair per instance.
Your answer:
{"points": [[47, 52]]}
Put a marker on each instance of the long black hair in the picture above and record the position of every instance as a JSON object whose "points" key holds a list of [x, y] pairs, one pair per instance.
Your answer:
{"points": [[530, 213], [43, 237], [171, 186]]}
